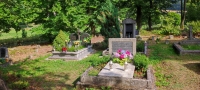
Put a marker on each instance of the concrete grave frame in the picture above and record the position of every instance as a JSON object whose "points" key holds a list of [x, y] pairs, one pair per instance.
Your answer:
{"points": [[122, 43], [117, 83], [80, 54], [182, 51]]}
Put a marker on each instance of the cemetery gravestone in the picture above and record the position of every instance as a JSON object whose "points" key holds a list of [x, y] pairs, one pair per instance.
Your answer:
{"points": [[122, 43], [73, 37], [3, 52], [83, 36], [129, 28], [190, 33]]}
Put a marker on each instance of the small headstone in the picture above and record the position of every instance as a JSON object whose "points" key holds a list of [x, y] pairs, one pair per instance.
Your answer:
{"points": [[3, 52], [145, 47], [190, 33], [84, 35], [73, 37]]}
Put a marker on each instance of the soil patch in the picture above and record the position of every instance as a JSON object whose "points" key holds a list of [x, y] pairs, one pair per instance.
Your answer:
{"points": [[21, 53]]}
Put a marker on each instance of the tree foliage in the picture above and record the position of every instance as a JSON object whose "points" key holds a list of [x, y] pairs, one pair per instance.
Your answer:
{"points": [[59, 41], [108, 18]]}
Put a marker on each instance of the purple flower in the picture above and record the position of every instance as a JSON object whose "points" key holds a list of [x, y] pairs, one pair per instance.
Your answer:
{"points": [[123, 52]]}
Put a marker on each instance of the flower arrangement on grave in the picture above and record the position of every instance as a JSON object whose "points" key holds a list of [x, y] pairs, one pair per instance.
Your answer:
{"points": [[64, 49], [122, 56], [76, 43]]}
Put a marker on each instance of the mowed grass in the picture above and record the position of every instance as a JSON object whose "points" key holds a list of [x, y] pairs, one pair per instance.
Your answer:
{"points": [[172, 71], [48, 74]]}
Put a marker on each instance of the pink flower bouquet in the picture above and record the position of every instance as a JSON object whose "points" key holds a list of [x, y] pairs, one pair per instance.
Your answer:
{"points": [[122, 56]]}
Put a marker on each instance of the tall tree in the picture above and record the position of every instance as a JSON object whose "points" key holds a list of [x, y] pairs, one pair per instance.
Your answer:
{"points": [[183, 13]]}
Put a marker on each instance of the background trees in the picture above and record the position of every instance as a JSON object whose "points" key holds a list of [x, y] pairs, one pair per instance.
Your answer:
{"points": [[70, 15]]}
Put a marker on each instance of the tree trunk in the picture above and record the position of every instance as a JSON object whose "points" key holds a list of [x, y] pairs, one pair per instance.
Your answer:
{"points": [[139, 17], [183, 8], [149, 17], [92, 26]]}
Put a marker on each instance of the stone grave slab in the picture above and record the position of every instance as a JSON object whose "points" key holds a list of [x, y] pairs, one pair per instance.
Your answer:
{"points": [[118, 71]]}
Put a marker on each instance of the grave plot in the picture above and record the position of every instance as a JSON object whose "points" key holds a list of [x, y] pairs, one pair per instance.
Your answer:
{"points": [[76, 47], [117, 75], [188, 46]]}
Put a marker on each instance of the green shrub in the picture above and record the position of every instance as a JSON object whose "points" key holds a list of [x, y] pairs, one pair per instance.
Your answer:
{"points": [[59, 41], [100, 46], [170, 25], [140, 46], [195, 26], [24, 33], [141, 62], [96, 60]]}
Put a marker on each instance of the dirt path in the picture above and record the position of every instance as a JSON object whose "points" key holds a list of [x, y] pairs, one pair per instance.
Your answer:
{"points": [[20, 53]]}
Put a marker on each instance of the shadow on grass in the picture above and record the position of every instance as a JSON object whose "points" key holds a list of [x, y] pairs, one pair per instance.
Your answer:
{"points": [[38, 77], [193, 67]]}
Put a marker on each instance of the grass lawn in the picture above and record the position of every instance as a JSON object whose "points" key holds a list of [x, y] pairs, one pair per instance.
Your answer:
{"points": [[191, 47], [44, 74], [174, 72]]}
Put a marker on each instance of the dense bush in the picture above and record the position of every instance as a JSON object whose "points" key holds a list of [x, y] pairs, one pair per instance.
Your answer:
{"points": [[100, 46], [141, 62], [140, 46], [59, 41], [170, 24], [195, 26], [193, 12]]}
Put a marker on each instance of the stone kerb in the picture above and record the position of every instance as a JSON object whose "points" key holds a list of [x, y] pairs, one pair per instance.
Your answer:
{"points": [[122, 43], [117, 82], [182, 51]]}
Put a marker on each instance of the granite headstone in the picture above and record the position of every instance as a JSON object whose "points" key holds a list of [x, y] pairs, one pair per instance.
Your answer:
{"points": [[122, 43], [73, 37]]}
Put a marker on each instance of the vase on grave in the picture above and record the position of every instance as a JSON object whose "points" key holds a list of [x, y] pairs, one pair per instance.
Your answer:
{"points": [[110, 65], [125, 65]]}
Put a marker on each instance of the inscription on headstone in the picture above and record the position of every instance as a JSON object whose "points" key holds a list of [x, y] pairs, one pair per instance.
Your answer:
{"points": [[122, 43]]}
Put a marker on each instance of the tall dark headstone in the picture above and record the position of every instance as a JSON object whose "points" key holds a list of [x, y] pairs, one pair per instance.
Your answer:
{"points": [[3, 52], [129, 28]]}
